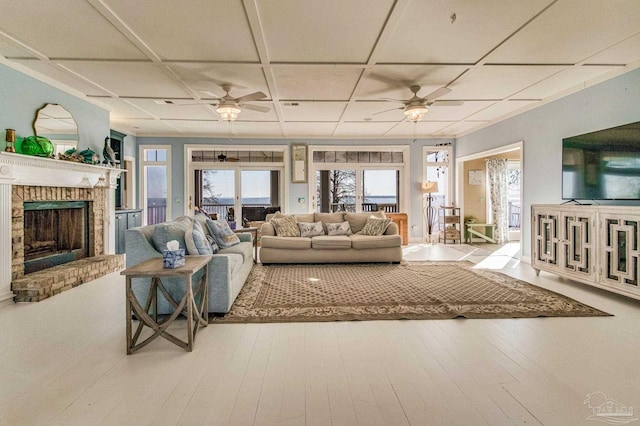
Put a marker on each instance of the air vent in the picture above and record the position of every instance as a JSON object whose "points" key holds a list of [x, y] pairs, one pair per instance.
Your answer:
{"points": [[163, 102], [291, 104]]}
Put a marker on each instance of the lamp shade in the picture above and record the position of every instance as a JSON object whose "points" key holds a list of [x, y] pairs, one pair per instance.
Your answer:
{"points": [[228, 112], [415, 113], [429, 187]]}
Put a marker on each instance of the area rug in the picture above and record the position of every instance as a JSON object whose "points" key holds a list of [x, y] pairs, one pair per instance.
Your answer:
{"points": [[411, 290]]}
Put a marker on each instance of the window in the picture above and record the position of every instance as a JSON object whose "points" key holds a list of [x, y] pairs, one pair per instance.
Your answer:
{"points": [[156, 183], [436, 169]]}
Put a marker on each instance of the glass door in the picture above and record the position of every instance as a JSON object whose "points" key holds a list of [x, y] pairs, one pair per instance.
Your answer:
{"points": [[380, 190], [218, 192], [336, 191], [359, 189]]}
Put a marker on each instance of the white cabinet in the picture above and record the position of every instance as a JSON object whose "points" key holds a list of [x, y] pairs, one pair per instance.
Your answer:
{"points": [[597, 245]]}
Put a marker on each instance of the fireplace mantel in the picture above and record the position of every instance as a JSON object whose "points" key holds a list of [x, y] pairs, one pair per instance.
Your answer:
{"points": [[19, 169]]}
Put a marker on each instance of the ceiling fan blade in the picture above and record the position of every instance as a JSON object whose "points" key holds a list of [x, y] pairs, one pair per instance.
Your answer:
{"points": [[209, 93], [437, 93], [197, 103], [393, 100], [389, 81], [257, 108], [386, 110], [251, 97], [448, 103]]}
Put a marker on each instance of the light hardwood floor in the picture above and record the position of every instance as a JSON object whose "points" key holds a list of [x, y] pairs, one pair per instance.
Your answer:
{"points": [[63, 361]]}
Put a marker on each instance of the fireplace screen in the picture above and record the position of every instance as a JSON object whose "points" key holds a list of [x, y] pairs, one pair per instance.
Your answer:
{"points": [[55, 232]]}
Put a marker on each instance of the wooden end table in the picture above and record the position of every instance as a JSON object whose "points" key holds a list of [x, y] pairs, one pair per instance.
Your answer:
{"points": [[254, 231], [148, 315]]}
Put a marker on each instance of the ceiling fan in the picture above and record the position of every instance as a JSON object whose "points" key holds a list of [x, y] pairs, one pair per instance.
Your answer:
{"points": [[416, 107], [229, 107]]}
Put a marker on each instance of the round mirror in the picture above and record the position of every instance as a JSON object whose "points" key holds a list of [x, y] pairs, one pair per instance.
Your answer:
{"points": [[57, 124]]}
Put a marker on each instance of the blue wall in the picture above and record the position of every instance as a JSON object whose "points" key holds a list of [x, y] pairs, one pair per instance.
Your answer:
{"points": [[298, 189], [21, 96], [607, 104]]}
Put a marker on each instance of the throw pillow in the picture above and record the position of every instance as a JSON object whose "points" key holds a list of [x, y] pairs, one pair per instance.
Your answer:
{"points": [[341, 228], [375, 226], [358, 220], [196, 240], [212, 242], [326, 218], [221, 232], [168, 231], [286, 226], [310, 229]]}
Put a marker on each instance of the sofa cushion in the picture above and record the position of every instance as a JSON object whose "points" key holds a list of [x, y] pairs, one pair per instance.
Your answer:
{"points": [[224, 236], [364, 242], [286, 226], [375, 226], [310, 229], [328, 218], [341, 228], [196, 240], [168, 231], [323, 242], [245, 249], [300, 217], [295, 243], [358, 220]]}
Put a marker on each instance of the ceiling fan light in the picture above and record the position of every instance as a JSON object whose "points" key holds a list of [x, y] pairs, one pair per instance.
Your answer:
{"points": [[415, 113], [228, 112]]}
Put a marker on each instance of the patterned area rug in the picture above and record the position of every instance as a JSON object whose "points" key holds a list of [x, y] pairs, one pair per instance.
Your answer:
{"points": [[411, 290]]}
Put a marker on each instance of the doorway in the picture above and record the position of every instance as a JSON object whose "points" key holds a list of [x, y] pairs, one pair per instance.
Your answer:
{"points": [[472, 181]]}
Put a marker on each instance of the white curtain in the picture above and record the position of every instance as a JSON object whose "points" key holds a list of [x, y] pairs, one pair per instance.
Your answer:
{"points": [[497, 172]]}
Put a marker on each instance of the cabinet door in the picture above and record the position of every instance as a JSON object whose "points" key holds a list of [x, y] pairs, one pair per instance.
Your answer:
{"points": [[121, 226], [134, 219], [545, 239], [578, 236], [619, 251]]}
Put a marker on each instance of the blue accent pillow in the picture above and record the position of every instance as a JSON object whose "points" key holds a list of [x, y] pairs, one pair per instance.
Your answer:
{"points": [[212, 242], [168, 231], [196, 240], [223, 235]]}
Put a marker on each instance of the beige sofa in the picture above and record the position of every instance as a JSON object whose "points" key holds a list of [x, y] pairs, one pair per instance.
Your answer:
{"points": [[355, 248]]}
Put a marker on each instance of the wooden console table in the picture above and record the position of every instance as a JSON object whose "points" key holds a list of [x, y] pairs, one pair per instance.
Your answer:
{"points": [[402, 221], [148, 315]]}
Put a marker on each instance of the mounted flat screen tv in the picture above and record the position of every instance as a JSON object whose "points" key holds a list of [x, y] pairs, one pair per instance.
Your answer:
{"points": [[602, 165]]}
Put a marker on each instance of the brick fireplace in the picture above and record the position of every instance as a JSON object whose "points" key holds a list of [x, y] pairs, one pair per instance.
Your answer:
{"points": [[25, 179]]}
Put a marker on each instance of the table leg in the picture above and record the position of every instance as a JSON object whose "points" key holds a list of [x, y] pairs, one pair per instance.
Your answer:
{"points": [[128, 313], [255, 247], [189, 296]]}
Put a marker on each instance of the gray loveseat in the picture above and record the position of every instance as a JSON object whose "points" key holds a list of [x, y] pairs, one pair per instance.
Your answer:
{"points": [[354, 248], [228, 269]]}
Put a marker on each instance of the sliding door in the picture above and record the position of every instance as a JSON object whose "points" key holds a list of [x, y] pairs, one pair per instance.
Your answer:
{"points": [[358, 181]]}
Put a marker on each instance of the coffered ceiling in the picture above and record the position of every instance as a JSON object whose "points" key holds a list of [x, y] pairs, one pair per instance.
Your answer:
{"points": [[326, 66]]}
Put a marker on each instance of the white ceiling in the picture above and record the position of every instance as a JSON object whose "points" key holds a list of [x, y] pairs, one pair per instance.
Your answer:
{"points": [[324, 65]]}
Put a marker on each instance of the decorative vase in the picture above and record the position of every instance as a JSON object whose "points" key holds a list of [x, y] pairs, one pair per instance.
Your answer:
{"points": [[37, 145]]}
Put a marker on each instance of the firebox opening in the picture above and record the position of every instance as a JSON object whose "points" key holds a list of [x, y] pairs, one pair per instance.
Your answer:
{"points": [[55, 232]]}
